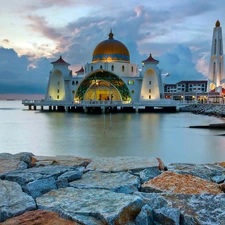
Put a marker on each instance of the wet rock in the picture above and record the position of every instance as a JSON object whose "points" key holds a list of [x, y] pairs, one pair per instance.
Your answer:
{"points": [[204, 171], [119, 164], [40, 187], [71, 161], [145, 217], [23, 177], [92, 206], [168, 216], [13, 200], [122, 182], [38, 217], [195, 209], [71, 175], [171, 182]]}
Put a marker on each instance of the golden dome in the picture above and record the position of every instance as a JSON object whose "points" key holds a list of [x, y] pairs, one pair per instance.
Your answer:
{"points": [[111, 50], [217, 23]]}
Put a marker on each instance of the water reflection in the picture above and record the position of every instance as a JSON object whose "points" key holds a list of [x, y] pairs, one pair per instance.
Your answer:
{"points": [[159, 135]]}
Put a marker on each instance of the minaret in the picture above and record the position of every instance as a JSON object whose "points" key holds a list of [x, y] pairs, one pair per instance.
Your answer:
{"points": [[216, 78]]}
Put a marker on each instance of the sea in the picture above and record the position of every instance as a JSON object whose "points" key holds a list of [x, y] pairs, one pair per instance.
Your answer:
{"points": [[163, 135]]}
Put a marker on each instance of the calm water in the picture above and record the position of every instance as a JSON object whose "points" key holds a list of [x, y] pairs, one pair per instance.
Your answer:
{"points": [[159, 135]]}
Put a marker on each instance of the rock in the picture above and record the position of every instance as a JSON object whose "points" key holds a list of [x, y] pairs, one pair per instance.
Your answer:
{"points": [[171, 182], [119, 164], [38, 217], [168, 216], [29, 160], [218, 179], [195, 209], [204, 171], [62, 183], [92, 206], [7, 165], [23, 177], [122, 182], [145, 217], [149, 173], [62, 160], [222, 187], [71, 175], [22, 165], [6, 156], [40, 187], [13, 200]]}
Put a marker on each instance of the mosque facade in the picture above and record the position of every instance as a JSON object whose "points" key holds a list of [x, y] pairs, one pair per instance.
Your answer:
{"points": [[110, 77]]}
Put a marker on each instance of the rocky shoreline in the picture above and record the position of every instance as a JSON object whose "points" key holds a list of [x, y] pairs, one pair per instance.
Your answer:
{"points": [[205, 109], [109, 190]]}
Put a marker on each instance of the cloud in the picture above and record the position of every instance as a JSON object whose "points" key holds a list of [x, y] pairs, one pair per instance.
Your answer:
{"points": [[17, 75], [179, 64]]}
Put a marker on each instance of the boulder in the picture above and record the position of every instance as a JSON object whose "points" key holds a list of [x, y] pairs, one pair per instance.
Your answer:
{"points": [[13, 200], [38, 217], [148, 174], [40, 187], [204, 171], [92, 206], [171, 182], [145, 217], [71, 175], [129, 163], [7, 165], [71, 161], [194, 209], [23, 177], [119, 182]]}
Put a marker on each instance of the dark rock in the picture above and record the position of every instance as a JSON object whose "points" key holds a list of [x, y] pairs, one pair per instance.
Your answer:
{"points": [[62, 183], [22, 165], [23, 177], [218, 179], [145, 217], [40, 187], [167, 216], [71, 175]]}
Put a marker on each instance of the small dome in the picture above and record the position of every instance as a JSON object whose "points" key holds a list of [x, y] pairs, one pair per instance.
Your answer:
{"points": [[111, 50], [217, 23]]}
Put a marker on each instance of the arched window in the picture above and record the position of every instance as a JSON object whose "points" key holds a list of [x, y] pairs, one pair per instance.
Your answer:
{"points": [[58, 83], [57, 96], [132, 69], [73, 82], [112, 68], [91, 68], [77, 82], [101, 67], [215, 46], [58, 91], [123, 68], [220, 68]]}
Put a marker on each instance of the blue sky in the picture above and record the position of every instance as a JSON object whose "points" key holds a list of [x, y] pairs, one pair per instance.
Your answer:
{"points": [[35, 33]]}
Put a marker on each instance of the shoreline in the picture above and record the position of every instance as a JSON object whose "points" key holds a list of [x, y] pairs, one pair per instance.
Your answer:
{"points": [[109, 190]]}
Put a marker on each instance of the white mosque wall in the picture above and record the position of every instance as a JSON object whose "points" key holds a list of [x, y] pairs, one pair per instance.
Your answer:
{"points": [[151, 85], [122, 69], [56, 87]]}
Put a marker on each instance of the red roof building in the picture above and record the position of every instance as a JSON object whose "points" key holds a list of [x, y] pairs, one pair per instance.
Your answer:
{"points": [[60, 61], [150, 59]]}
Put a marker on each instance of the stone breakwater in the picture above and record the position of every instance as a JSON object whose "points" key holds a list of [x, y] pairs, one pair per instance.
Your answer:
{"points": [[109, 190], [205, 109]]}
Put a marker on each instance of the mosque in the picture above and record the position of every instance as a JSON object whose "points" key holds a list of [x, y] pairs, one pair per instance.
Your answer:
{"points": [[110, 79]]}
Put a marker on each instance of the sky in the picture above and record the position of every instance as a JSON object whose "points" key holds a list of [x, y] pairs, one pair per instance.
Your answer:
{"points": [[35, 33]]}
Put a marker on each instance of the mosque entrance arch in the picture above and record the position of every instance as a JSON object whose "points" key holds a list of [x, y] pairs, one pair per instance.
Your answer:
{"points": [[103, 85]]}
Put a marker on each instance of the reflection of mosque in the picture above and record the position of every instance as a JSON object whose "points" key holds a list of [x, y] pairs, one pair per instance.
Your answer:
{"points": [[109, 78]]}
